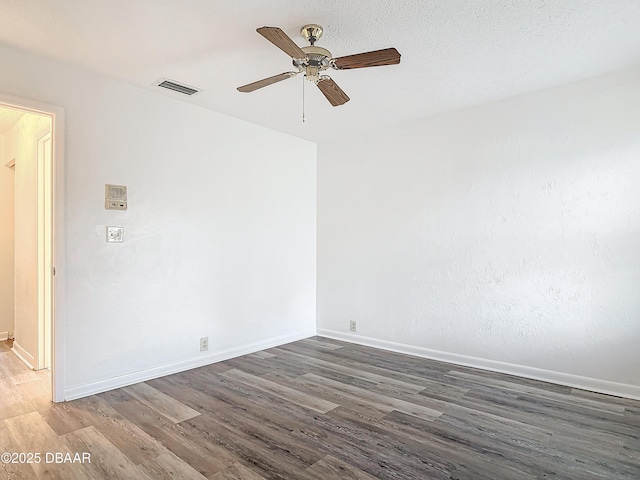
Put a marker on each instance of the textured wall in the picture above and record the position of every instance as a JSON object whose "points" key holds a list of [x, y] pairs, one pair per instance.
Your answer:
{"points": [[220, 233], [507, 232]]}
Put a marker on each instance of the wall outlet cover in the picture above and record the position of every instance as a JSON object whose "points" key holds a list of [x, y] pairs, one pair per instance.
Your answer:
{"points": [[352, 325]]}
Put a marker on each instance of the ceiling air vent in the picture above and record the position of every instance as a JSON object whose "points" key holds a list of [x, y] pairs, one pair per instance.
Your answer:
{"points": [[177, 87]]}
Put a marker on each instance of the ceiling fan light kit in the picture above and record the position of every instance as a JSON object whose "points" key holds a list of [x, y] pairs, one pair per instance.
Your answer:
{"points": [[312, 61]]}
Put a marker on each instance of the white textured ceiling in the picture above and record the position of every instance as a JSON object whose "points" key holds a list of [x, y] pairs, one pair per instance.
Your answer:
{"points": [[455, 53], [8, 118]]}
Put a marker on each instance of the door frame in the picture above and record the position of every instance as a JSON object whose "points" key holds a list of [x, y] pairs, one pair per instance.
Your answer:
{"points": [[56, 113], [45, 249]]}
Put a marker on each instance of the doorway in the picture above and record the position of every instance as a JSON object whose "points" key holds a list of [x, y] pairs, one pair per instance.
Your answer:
{"points": [[28, 143]]}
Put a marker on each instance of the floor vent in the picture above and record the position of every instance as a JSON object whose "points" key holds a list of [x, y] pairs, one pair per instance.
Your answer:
{"points": [[177, 87]]}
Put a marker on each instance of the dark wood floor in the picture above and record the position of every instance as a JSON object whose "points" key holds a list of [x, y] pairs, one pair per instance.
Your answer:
{"points": [[322, 409]]}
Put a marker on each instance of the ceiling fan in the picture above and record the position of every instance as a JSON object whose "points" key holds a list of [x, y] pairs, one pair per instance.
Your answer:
{"points": [[312, 61]]}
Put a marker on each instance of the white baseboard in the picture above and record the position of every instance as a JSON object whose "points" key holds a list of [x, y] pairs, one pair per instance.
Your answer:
{"points": [[23, 355], [4, 336], [566, 379], [92, 388]]}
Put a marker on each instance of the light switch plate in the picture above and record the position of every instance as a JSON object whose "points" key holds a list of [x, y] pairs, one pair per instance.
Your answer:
{"points": [[115, 234]]}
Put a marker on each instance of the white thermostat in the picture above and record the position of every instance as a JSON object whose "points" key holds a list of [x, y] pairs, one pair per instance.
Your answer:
{"points": [[115, 197]]}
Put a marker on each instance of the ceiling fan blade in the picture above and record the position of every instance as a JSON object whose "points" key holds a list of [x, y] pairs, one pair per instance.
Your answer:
{"points": [[266, 81], [377, 58], [332, 91], [282, 41]]}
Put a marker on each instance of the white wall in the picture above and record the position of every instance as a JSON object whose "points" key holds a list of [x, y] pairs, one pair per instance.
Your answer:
{"points": [[6, 244], [505, 236], [219, 234], [21, 142]]}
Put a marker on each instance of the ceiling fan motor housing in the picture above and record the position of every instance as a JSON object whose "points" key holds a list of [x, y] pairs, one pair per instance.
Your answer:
{"points": [[316, 60], [318, 56]]}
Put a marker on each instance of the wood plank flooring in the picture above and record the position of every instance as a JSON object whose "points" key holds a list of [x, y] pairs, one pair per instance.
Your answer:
{"points": [[321, 409]]}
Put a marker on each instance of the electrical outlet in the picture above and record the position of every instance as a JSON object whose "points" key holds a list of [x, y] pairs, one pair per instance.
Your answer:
{"points": [[352, 325], [204, 344]]}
